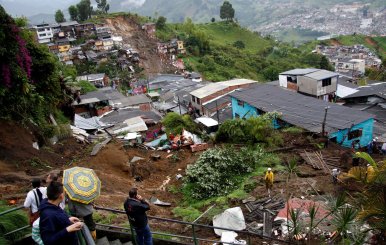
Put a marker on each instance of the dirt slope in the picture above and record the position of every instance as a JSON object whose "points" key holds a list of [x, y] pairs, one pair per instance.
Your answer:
{"points": [[133, 34]]}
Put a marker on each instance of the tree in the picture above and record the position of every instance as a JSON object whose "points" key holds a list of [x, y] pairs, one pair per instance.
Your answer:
{"points": [[227, 11], [103, 6], [73, 10], [30, 87], [161, 22], [59, 16], [84, 10], [239, 44]]}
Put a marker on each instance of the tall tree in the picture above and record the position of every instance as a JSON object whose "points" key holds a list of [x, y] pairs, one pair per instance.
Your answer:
{"points": [[161, 22], [103, 6], [59, 16], [73, 10], [226, 11], [84, 9]]}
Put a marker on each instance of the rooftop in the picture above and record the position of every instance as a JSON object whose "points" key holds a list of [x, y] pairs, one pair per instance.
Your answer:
{"points": [[300, 110], [69, 23], [218, 86], [299, 72], [321, 74], [374, 89]]}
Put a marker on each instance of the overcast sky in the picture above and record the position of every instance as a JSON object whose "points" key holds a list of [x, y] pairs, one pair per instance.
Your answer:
{"points": [[33, 7]]}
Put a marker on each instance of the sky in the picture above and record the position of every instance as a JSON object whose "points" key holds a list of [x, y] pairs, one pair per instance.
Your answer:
{"points": [[28, 8]]}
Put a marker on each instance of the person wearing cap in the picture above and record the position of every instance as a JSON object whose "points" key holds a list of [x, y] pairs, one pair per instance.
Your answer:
{"points": [[370, 173], [335, 173], [269, 180]]}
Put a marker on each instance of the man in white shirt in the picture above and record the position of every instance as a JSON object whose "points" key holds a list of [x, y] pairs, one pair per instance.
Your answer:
{"points": [[34, 198]]}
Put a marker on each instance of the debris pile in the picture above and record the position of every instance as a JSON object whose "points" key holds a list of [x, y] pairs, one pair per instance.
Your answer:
{"points": [[262, 213]]}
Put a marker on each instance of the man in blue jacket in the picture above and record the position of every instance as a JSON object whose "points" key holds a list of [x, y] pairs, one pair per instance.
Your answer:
{"points": [[56, 227], [136, 207]]}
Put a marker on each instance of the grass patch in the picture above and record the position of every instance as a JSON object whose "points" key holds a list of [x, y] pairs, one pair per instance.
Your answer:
{"points": [[188, 214], [10, 222], [293, 130], [103, 218]]}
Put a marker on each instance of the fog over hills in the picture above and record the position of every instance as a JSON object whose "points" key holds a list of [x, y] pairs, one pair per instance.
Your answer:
{"points": [[277, 17]]}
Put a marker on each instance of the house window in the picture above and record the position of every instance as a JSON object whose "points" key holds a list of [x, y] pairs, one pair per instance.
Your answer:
{"points": [[326, 82], [292, 79], [42, 35], [198, 101], [355, 134], [240, 103], [237, 115]]}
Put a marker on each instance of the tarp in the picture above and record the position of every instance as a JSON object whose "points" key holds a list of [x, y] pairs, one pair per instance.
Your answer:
{"points": [[156, 142], [195, 138], [88, 123], [131, 136], [231, 218]]}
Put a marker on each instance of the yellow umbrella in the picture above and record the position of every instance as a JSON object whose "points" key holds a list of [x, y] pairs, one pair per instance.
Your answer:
{"points": [[81, 184]]}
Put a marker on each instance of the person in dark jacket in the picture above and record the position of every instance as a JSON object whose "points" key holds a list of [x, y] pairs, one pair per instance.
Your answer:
{"points": [[136, 207], [56, 227]]}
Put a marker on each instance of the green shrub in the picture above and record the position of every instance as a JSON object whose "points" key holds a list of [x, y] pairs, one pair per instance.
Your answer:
{"points": [[219, 171], [175, 123], [253, 130]]}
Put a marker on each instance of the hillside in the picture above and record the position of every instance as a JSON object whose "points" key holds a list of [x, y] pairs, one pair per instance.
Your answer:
{"points": [[222, 51], [377, 44], [305, 20]]}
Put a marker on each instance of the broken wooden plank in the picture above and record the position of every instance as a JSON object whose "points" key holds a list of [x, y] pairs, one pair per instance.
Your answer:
{"points": [[99, 146]]}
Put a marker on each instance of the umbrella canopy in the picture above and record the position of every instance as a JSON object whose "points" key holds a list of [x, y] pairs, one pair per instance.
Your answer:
{"points": [[81, 184]]}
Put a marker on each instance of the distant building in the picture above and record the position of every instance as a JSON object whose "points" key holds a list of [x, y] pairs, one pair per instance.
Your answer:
{"points": [[44, 33], [350, 65], [63, 45], [99, 79], [345, 126], [68, 28], [85, 30], [313, 82]]}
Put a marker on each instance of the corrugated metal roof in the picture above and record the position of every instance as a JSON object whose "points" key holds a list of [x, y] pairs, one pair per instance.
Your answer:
{"points": [[299, 72], [208, 90], [300, 110], [375, 89], [321, 74], [218, 86]]}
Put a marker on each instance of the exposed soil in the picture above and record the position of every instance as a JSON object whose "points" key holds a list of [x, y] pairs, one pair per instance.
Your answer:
{"points": [[18, 166], [335, 42], [133, 34]]}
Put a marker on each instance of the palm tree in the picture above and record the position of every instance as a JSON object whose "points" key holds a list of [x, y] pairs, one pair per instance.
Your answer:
{"points": [[372, 187]]}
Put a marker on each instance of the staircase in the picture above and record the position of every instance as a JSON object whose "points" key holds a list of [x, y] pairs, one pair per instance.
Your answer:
{"points": [[105, 241]]}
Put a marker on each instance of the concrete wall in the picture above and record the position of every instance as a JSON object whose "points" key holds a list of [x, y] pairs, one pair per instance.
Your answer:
{"points": [[329, 89], [312, 87], [283, 80], [367, 134], [245, 111]]}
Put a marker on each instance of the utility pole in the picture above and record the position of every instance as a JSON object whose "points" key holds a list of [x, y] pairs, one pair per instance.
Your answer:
{"points": [[218, 116], [179, 105], [324, 120]]}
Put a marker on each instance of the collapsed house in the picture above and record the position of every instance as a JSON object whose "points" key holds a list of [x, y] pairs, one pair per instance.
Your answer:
{"points": [[345, 126]]}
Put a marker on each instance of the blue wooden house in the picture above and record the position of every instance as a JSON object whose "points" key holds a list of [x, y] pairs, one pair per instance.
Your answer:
{"points": [[344, 125]]}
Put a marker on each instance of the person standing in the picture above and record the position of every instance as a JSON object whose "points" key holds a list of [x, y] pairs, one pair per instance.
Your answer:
{"points": [[136, 207], [51, 177], [33, 200], [83, 211], [269, 180], [335, 173], [56, 227]]}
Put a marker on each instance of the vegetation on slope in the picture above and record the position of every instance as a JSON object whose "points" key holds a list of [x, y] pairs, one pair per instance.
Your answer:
{"points": [[30, 87], [224, 50]]}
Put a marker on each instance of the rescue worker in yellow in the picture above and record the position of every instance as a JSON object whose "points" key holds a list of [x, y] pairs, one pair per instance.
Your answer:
{"points": [[269, 180]]}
